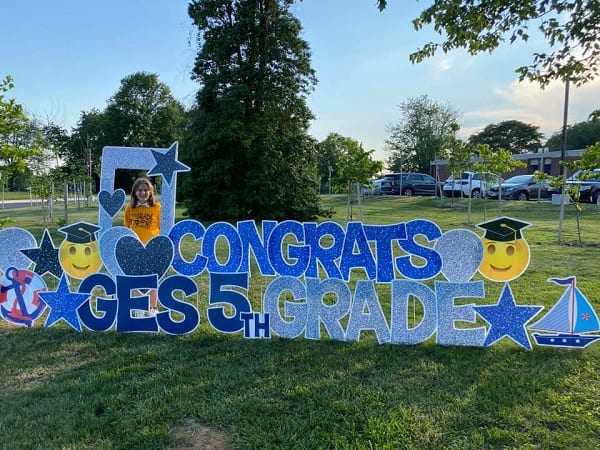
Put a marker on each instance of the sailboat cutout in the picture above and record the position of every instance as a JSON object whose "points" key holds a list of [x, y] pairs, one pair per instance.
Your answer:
{"points": [[570, 318]]}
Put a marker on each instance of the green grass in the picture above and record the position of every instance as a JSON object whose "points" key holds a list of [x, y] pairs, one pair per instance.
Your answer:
{"points": [[18, 195], [68, 390]]}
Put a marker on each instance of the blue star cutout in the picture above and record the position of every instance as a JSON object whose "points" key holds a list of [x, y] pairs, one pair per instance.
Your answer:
{"points": [[506, 318], [167, 164], [45, 257], [63, 304]]}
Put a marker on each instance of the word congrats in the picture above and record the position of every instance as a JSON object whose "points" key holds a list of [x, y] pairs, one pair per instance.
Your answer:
{"points": [[405, 283]]}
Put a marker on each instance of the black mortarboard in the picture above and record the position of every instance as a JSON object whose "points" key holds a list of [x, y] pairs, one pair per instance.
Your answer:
{"points": [[80, 232], [503, 229]]}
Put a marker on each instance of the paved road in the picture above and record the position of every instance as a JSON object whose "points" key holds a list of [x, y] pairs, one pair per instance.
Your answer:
{"points": [[14, 204]]}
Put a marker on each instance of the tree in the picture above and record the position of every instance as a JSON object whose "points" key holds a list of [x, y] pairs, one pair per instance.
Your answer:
{"points": [[142, 113], [499, 162], [248, 146], [348, 161], [459, 158], [590, 160], [569, 27], [82, 159], [541, 177], [579, 135], [57, 139], [52, 142], [16, 168], [329, 155], [355, 166], [426, 129], [14, 147], [512, 135]]}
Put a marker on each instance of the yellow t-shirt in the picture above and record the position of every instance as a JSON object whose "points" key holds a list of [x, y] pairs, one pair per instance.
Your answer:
{"points": [[144, 220]]}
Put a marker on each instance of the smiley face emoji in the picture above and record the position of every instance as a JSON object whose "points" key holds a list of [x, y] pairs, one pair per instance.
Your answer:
{"points": [[505, 253], [78, 254]]}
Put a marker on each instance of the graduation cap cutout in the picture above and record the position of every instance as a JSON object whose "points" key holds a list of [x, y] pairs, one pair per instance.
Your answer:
{"points": [[503, 229], [80, 232]]}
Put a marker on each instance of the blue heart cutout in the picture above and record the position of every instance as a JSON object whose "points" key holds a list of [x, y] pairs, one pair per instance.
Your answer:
{"points": [[135, 258], [112, 203]]}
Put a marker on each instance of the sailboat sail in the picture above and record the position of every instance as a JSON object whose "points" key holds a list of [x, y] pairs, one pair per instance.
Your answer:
{"points": [[571, 314], [586, 319], [558, 318], [570, 317]]}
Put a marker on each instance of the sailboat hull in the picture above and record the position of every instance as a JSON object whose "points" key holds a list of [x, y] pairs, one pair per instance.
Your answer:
{"points": [[564, 340]]}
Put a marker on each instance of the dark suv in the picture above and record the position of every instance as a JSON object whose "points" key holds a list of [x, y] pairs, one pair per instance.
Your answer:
{"points": [[589, 189], [409, 184], [520, 187]]}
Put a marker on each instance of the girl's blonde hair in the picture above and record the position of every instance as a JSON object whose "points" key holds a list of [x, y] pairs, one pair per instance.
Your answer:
{"points": [[136, 185]]}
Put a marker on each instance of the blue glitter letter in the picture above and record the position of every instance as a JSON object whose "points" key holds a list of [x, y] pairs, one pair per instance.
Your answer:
{"points": [[209, 247], [433, 261], [324, 255], [252, 241], [295, 310], [319, 311], [177, 233], [356, 237], [373, 319], [402, 291], [191, 317], [221, 292], [297, 253], [106, 305], [126, 284], [448, 313], [384, 235]]}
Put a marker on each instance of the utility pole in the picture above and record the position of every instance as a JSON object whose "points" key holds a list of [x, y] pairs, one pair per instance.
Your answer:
{"points": [[563, 158], [88, 157]]}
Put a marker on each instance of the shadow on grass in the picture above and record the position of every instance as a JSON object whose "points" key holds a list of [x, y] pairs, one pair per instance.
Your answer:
{"points": [[110, 390]]}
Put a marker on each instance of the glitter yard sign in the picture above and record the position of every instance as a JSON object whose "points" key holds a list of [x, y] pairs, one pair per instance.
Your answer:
{"points": [[324, 280]]}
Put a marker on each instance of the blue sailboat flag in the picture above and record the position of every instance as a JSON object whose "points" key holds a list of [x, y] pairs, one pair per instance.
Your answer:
{"points": [[570, 318]]}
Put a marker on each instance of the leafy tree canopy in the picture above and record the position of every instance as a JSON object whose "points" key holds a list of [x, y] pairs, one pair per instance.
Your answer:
{"points": [[352, 164], [425, 132], [512, 135], [248, 146], [329, 157], [579, 135], [142, 113], [499, 162], [570, 28], [459, 157], [15, 143], [590, 160]]}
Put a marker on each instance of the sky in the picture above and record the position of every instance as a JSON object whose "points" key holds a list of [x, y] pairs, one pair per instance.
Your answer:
{"points": [[69, 56]]}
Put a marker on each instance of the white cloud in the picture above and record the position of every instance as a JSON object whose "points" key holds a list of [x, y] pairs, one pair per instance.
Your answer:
{"points": [[528, 103], [445, 64]]}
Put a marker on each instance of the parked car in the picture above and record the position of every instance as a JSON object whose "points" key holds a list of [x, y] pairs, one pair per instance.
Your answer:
{"points": [[472, 184], [373, 188], [521, 187], [589, 189], [410, 183]]}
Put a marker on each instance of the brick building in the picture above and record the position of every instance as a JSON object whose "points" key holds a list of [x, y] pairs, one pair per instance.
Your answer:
{"points": [[542, 160]]}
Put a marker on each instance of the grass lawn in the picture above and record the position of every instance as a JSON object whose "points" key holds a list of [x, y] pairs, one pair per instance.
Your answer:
{"points": [[9, 195], [93, 390]]}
